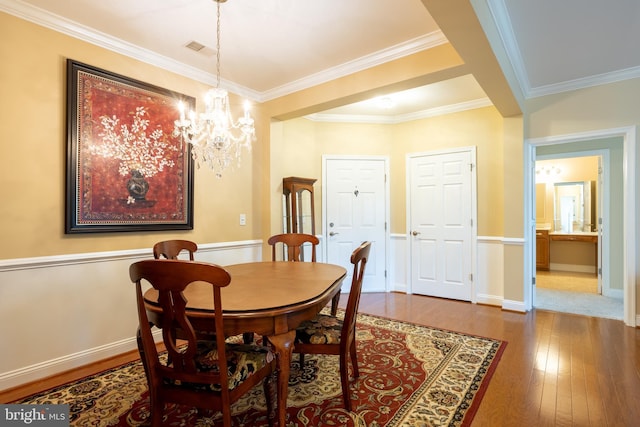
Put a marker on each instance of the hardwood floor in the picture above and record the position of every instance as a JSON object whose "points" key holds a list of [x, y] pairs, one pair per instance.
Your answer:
{"points": [[558, 369]]}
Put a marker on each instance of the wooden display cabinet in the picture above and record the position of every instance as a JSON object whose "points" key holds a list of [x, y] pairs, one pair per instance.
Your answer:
{"points": [[299, 208]]}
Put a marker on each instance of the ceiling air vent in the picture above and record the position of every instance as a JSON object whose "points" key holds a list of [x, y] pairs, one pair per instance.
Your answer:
{"points": [[195, 46], [200, 48]]}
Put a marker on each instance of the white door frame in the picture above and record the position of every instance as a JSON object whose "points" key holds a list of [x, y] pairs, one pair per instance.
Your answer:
{"points": [[628, 135], [387, 206], [474, 214]]}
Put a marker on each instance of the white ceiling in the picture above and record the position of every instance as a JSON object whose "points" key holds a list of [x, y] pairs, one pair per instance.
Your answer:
{"points": [[273, 47]]}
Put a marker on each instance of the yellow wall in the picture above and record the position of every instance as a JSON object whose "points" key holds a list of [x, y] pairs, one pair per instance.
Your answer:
{"points": [[481, 128], [33, 188], [32, 119], [302, 142]]}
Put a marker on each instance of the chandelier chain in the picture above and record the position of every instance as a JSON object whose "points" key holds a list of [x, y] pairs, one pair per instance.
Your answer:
{"points": [[218, 45]]}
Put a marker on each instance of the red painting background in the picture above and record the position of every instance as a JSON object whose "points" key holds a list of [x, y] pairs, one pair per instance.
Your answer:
{"points": [[102, 193]]}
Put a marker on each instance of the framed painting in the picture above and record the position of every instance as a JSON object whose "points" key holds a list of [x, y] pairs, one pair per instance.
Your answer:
{"points": [[126, 170]]}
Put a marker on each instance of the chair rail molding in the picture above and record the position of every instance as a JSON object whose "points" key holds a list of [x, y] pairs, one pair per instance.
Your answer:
{"points": [[72, 310]]}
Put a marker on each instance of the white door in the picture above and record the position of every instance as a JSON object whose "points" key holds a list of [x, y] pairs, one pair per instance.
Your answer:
{"points": [[442, 213], [355, 205]]}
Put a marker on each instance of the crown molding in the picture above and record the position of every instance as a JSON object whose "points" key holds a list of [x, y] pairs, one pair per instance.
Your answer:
{"points": [[586, 82], [401, 50], [498, 11], [71, 28], [501, 18], [401, 118]]}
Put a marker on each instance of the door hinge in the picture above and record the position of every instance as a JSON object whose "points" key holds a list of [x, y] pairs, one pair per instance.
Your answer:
{"points": [[471, 277], [599, 271], [471, 222], [470, 167], [533, 281], [385, 274]]}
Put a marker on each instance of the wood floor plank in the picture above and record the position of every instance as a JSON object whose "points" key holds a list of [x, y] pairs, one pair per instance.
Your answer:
{"points": [[557, 369]]}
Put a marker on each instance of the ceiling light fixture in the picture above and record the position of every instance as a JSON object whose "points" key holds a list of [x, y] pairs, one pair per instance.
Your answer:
{"points": [[386, 102], [216, 139], [547, 173]]}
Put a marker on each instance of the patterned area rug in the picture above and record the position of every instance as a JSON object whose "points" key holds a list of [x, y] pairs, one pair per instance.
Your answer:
{"points": [[410, 375]]}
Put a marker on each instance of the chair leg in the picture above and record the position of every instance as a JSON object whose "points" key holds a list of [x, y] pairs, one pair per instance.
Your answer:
{"points": [[247, 337], [354, 359], [344, 380], [334, 304], [156, 408], [270, 385], [301, 361]]}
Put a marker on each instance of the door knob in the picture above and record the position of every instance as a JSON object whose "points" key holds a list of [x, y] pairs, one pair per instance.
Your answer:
{"points": [[333, 233], [415, 233]]}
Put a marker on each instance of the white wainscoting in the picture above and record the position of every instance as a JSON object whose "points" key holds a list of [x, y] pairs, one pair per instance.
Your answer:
{"points": [[63, 312], [489, 280]]}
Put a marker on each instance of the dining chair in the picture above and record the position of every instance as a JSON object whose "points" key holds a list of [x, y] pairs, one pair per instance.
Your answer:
{"points": [[294, 245], [328, 334], [170, 249], [202, 374]]}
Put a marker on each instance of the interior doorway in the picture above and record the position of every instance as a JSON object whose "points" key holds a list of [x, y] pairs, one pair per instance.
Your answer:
{"points": [[621, 144], [572, 235]]}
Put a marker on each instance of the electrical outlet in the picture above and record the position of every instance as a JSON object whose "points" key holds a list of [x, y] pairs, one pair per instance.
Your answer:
{"points": [[243, 219]]}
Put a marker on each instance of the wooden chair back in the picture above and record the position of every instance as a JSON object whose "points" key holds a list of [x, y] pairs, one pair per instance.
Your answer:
{"points": [[345, 347], [293, 242], [170, 249], [169, 278], [359, 259]]}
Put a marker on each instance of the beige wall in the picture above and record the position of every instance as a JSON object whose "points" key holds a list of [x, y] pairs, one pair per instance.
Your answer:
{"points": [[513, 208], [302, 142], [33, 188], [32, 119]]}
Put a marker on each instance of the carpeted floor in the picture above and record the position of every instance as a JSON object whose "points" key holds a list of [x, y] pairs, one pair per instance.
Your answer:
{"points": [[576, 293], [588, 304], [410, 375]]}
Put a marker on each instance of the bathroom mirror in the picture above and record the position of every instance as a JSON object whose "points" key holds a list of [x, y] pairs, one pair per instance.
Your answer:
{"points": [[574, 207]]}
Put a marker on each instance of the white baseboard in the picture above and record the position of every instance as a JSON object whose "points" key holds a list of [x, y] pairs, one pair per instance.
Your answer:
{"points": [[514, 306], [489, 299], [573, 268]]}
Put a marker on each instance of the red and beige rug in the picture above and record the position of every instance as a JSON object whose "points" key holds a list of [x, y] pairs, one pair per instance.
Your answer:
{"points": [[410, 375]]}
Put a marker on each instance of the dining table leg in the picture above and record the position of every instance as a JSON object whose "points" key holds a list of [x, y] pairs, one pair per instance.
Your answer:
{"points": [[283, 346]]}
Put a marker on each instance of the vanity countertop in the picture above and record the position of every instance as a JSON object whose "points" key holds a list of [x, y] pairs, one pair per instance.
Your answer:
{"points": [[573, 233]]}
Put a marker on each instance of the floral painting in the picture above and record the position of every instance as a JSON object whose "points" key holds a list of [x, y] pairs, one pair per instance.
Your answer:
{"points": [[126, 170]]}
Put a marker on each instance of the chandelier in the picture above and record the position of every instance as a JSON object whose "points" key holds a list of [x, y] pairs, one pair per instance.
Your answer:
{"points": [[216, 138]]}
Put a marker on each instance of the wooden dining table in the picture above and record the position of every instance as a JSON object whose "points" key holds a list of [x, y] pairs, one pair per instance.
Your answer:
{"points": [[269, 298]]}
